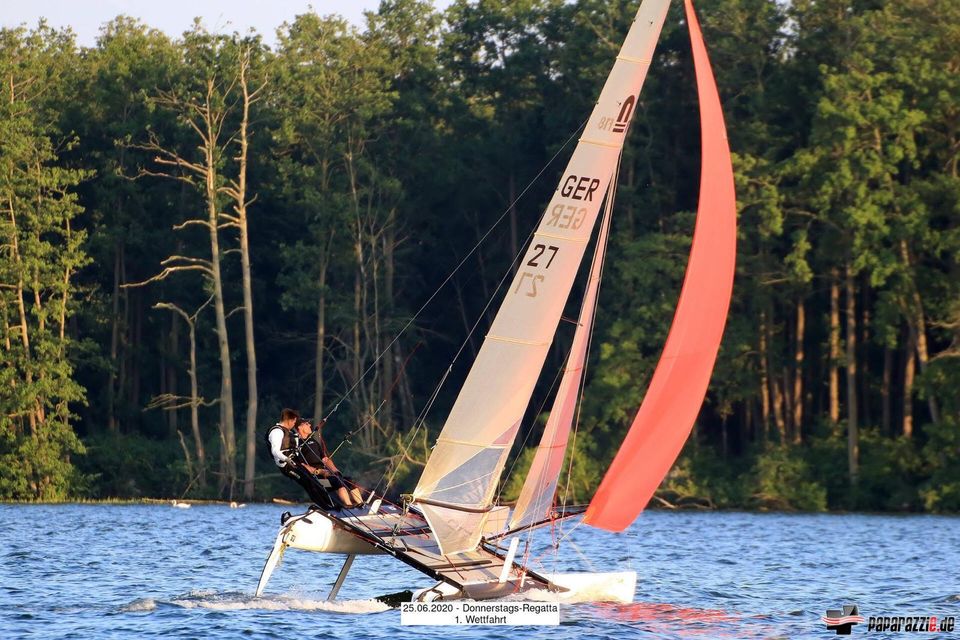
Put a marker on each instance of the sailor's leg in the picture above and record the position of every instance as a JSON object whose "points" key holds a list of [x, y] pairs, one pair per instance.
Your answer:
{"points": [[344, 498], [336, 484], [317, 494], [356, 496]]}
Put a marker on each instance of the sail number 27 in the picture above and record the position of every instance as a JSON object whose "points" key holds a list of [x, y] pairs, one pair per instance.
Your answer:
{"points": [[528, 281]]}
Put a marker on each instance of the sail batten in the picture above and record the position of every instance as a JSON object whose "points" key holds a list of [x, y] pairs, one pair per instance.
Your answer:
{"points": [[498, 387], [680, 381]]}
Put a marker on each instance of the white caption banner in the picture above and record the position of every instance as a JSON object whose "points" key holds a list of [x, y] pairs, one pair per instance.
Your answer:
{"points": [[487, 613]]}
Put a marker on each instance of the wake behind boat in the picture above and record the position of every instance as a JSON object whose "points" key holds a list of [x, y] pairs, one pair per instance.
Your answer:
{"points": [[451, 527]]}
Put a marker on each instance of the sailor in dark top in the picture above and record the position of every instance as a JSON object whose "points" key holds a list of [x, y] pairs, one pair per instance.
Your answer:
{"points": [[312, 455]]}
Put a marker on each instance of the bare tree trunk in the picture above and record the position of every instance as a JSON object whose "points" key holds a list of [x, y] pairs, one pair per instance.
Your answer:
{"points": [[227, 427], [239, 191], [909, 374], [764, 380], [918, 324], [834, 364], [406, 396], [123, 355], [776, 390], [863, 344], [22, 308], [135, 351], [923, 357], [173, 416], [195, 408], [387, 384], [853, 435], [205, 115], [168, 372], [173, 401], [798, 357], [186, 455], [788, 403], [114, 345], [778, 414], [885, 391], [318, 381]]}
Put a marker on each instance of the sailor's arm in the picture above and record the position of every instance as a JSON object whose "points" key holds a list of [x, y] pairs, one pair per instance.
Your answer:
{"points": [[328, 463], [276, 441]]}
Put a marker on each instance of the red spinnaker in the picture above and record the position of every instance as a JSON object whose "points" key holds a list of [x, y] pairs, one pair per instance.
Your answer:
{"points": [[680, 380]]}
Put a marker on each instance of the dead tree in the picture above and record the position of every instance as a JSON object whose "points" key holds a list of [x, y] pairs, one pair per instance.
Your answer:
{"points": [[236, 190], [171, 402]]}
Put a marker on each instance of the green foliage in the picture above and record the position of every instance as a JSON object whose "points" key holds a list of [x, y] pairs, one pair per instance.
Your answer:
{"points": [[890, 470], [42, 251], [134, 466], [579, 477], [383, 153], [781, 479], [39, 467], [940, 491], [701, 478]]}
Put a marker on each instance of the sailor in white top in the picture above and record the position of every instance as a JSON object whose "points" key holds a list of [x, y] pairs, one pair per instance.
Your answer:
{"points": [[278, 433]]}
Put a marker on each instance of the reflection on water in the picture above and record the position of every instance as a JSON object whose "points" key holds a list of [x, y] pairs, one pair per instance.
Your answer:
{"points": [[93, 571]]}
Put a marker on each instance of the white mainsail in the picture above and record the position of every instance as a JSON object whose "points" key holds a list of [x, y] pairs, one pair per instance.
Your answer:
{"points": [[457, 486], [536, 496]]}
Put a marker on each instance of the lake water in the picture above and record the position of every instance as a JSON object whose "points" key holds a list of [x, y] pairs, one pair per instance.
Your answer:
{"points": [[98, 571]]}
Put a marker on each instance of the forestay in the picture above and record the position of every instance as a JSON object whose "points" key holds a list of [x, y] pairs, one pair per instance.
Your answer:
{"points": [[457, 486]]}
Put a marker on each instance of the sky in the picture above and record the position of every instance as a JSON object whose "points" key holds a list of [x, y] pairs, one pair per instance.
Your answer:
{"points": [[175, 16]]}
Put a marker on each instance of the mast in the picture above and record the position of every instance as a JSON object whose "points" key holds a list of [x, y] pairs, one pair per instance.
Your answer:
{"points": [[456, 489]]}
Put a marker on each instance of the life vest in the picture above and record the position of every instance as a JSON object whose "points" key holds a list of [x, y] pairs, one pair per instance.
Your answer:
{"points": [[289, 440]]}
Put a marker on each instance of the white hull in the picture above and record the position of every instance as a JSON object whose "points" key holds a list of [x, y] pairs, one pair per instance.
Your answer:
{"points": [[316, 533], [312, 532], [479, 575]]}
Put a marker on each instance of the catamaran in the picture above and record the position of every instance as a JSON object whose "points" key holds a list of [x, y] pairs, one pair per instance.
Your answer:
{"points": [[451, 527]]}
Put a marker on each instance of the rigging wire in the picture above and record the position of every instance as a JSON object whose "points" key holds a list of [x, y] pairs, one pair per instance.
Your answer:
{"points": [[455, 270], [556, 527], [586, 359], [421, 417]]}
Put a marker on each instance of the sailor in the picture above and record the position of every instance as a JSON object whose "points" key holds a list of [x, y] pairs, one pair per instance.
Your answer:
{"points": [[313, 457], [284, 441]]}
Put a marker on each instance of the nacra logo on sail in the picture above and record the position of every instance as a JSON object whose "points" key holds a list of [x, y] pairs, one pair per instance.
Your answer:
{"points": [[619, 124]]}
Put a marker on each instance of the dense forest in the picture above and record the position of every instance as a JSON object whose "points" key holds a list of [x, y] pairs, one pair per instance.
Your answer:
{"points": [[198, 231]]}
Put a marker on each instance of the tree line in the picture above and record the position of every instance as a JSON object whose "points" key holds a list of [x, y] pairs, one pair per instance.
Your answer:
{"points": [[198, 231]]}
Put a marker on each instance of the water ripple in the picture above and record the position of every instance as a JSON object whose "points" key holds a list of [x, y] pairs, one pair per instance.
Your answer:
{"points": [[130, 571]]}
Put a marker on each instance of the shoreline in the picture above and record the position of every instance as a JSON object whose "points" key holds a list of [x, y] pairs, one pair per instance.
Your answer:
{"points": [[169, 502]]}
